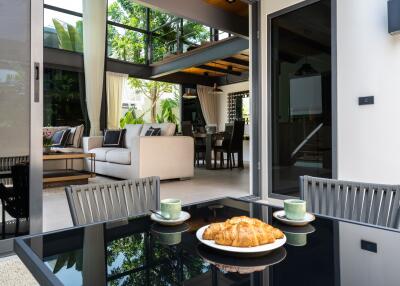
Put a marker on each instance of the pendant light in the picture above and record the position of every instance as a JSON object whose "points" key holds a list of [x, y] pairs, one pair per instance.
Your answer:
{"points": [[188, 94], [217, 90], [306, 70]]}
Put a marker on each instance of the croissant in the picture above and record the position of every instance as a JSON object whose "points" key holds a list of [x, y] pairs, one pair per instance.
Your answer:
{"points": [[242, 232]]}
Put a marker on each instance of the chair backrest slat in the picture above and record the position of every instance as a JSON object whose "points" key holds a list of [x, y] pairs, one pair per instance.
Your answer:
{"points": [[103, 202], [370, 203]]}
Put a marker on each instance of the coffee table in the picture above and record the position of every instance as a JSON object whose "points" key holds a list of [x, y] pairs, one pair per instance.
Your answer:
{"points": [[68, 176]]}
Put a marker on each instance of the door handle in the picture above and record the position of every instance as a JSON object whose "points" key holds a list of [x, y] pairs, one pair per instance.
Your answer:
{"points": [[36, 96]]}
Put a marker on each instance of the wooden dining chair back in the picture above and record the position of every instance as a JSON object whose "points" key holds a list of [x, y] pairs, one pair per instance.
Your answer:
{"points": [[237, 136], [104, 202], [187, 128], [368, 203]]}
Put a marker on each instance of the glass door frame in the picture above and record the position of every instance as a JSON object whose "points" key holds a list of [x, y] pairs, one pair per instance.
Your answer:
{"points": [[36, 122], [270, 17]]}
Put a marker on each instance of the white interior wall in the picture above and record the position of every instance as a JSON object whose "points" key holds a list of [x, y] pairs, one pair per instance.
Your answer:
{"points": [[223, 111], [368, 63], [223, 101]]}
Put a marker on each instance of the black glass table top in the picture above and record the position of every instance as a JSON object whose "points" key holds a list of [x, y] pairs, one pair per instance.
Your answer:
{"points": [[139, 252]]}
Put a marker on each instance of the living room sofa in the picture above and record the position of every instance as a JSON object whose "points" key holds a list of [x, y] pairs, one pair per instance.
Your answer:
{"points": [[166, 156]]}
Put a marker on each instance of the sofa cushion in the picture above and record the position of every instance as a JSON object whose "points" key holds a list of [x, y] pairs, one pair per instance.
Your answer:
{"points": [[114, 138], [119, 156], [153, 132], [132, 131], [167, 129], [75, 136], [101, 153], [60, 138]]}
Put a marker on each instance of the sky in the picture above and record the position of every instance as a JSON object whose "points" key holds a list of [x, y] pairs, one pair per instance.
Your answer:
{"points": [[73, 5]]}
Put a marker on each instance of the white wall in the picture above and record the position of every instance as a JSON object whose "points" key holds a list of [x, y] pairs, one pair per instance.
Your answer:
{"points": [[368, 64], [223, 111], [223, 101]]}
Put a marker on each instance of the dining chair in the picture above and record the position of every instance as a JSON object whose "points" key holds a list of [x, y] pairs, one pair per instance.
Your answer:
{"points": [[199, 144], [108, 201], [15, 199], [231, 144], [363, 202]]}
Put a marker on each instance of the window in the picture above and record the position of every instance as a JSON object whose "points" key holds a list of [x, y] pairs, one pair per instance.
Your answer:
{"points": [[63, 29], [129, 14], [71, 5], [126, 45], [64, 101], [147, 101]]}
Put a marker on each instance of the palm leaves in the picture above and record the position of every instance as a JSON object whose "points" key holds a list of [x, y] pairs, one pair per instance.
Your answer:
{"points": [[69, 37]]}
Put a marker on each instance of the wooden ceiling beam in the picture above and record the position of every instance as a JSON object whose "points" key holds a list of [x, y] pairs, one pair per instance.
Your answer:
{"points": [[221, 70]]}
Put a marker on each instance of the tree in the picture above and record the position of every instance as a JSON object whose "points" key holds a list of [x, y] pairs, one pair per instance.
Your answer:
{"points": [[152, 90], [69, 37], [168, 107], [131, 46]]}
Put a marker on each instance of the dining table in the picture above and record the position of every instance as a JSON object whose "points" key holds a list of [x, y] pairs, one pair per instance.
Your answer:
{"points": [[138, 251], [210, 139]]}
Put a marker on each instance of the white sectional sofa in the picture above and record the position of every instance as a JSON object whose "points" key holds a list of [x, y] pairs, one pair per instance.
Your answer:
{"points": [[166, 156]]}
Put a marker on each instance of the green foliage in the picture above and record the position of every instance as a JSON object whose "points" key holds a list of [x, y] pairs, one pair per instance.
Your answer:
{"points": [[152, 90], [69, 37], [61, 99], [168, 107], [131, 46], [69, 259], [130, 118]]}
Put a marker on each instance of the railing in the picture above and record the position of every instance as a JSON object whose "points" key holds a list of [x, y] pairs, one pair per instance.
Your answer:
{"points": [[305, 141]]}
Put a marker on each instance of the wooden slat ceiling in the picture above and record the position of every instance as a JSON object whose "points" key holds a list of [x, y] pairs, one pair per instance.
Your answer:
{"points": [[238, 7], [236, 64]]}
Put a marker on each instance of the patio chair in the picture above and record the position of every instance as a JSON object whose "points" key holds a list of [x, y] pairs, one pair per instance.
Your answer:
{"points": [[368, 203], [15, 200], [103, 202]]}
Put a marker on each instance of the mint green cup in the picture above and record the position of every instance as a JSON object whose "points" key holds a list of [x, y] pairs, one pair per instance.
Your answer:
{"points": [[295, 209], [171, 208]]}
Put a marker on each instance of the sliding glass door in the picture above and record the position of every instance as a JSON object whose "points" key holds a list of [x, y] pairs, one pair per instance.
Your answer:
{"points": [[20, 119], [300, 95]]}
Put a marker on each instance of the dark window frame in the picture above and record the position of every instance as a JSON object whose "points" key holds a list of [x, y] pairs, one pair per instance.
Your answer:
{"points": [[270, 17]]}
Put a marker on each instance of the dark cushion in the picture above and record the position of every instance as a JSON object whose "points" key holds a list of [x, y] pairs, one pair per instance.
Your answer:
{"points": [[153, 132], [60, 138], [114, 138]]}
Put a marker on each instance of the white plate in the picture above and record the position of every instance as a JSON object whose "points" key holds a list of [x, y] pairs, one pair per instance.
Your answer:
{"points": [[280, 215], [255, 249], [184, 217]]}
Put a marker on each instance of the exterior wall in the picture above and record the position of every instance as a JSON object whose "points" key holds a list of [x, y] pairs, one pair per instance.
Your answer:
{"points": [[368, 63], [223, 111]]}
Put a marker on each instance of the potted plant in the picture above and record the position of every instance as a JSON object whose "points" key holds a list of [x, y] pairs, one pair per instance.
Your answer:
{"points": [[47, 141]]}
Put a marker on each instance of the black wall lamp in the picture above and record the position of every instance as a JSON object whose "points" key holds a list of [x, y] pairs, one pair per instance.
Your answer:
{"points": [[394, 17]]}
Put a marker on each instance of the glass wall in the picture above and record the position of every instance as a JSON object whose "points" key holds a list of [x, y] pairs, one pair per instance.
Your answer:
{"points": [[301, 124], [135, 34], [148, 101], [63, 29], [64, 98], [15, 108]]}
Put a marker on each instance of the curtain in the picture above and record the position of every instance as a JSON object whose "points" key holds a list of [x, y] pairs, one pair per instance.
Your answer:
{"points": [[94, 37], [209, 104], [116, 83]]}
